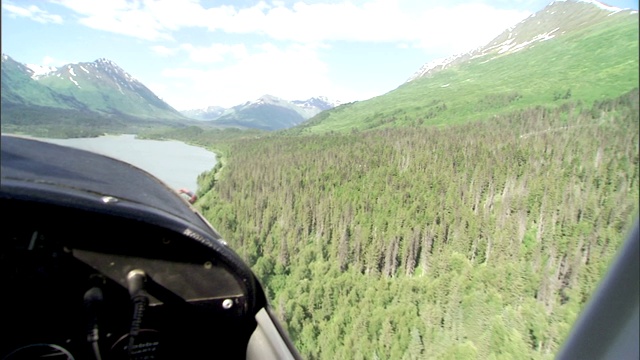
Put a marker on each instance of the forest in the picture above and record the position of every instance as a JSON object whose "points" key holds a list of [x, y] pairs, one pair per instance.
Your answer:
{"points": [[477, 240]]}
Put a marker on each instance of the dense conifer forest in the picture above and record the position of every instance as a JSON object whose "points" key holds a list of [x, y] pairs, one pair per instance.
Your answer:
{"points": [[481, 240]]}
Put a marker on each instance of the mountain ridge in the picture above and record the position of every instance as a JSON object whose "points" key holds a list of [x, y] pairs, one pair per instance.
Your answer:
{"points": [[104, 89], [519, 36], [268, 112], [96, 96], [596, 58]]}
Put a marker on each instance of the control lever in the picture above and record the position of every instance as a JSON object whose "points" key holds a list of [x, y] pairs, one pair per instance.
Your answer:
{"points": [[136, 283], [93, 303]]}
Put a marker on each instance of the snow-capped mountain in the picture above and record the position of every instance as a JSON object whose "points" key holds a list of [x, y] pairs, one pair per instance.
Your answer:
{"points": [[267, 112], [208, 113], [315, 105], [18, 87], [559, 18], [40, 70], [100, 86]]}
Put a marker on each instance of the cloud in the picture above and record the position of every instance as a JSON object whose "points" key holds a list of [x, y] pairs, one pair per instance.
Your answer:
{"points": [[464, 27], [291, 72], [204, 54], [422, 25], [223, 71], [131, 18], [214, 52], [163, 50], [50, 61], [32, 12]]}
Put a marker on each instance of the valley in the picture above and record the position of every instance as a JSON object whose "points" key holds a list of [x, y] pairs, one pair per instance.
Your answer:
{"points": [[467, 241], [469, 213]]}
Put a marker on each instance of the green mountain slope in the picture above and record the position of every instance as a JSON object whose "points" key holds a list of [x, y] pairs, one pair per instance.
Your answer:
{"points": [[266, 113], [84, 99], [586, 63], [103, 86], [19, 88]]}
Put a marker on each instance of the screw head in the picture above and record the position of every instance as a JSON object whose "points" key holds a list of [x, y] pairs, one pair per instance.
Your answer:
{"points": [[227, 304]]}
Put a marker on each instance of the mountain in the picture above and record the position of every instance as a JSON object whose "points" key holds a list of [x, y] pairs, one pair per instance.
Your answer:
{"points": [[19, 87], [315, 105], [103, 86], [559, 18], [208, 113], [97, 93], [569, 51], [266, 113]]}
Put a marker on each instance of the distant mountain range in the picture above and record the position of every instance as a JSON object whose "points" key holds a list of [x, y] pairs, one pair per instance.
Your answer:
{"points": [[267, 113], [102, 96], [577, 51]]}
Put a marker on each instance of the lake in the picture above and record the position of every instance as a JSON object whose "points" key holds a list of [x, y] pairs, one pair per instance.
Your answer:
{"points": [[174, 162]]}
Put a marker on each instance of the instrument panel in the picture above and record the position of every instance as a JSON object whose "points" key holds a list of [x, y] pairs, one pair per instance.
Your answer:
{"points": [[80, 285]]}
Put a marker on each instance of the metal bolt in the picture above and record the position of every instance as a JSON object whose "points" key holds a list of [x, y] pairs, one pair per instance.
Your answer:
{"points": [[109, 200], [227, 304]]}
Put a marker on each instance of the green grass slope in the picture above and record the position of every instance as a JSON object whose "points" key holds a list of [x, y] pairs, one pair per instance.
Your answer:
{"points": [[111, 93], [76, 102], [594, 63], [19, 88]]}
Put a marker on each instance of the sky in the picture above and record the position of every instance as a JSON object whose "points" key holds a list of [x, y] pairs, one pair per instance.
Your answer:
{"points": [[194, 54]]}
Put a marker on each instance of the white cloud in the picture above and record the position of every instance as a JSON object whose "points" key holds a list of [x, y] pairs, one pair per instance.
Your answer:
{"points": [[214, 52], [50, 61], [119, 16], [163, 50], [204, 54], [294, 72], [32, 12], [465, 25], [224, 73]]}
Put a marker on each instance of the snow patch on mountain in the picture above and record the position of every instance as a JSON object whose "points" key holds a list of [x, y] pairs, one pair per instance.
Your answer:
{"points": [[115, 72], [507, 46], [527, 33], [75, 82], [435, 65], [40, 70]]}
